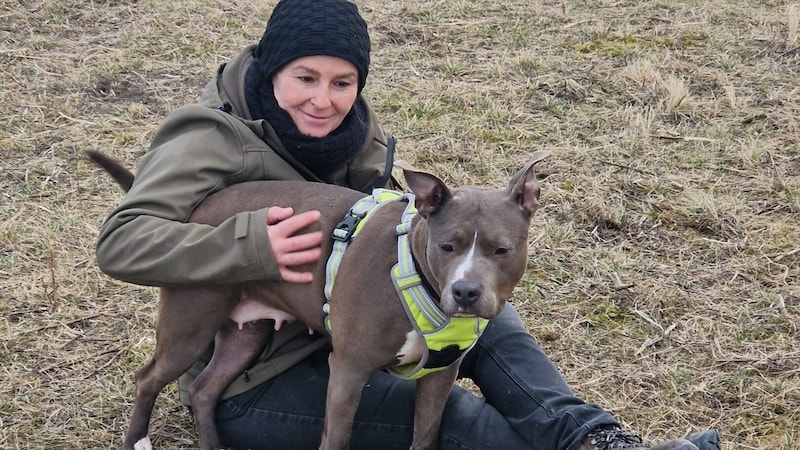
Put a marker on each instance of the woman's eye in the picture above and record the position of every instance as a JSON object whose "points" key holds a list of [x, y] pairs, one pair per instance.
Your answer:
{"points": [[446, 248]]}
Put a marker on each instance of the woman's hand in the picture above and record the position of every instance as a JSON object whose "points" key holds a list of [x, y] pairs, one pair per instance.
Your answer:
{"points": [[290, 249]]}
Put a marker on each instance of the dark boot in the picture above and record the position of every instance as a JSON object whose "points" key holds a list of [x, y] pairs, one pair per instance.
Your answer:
{"points": [[614, 438], [705, 440]]}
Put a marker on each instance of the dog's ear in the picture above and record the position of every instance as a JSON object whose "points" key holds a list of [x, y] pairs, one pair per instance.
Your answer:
{"points": [[524, 188], [430, 192]]}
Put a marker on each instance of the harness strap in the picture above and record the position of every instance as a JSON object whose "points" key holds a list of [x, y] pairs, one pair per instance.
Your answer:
{"points": [[407, 280]]}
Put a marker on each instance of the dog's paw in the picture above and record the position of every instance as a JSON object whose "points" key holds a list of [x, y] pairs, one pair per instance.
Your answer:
{"points": [[143, 444]]}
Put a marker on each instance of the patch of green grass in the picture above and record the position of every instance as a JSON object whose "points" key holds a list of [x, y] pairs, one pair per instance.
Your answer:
{"points": [[608, 315], [612, 46], [452, 68]]}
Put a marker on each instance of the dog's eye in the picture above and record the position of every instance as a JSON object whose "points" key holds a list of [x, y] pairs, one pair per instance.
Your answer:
{"points": [[501, 251], [446, 248]]}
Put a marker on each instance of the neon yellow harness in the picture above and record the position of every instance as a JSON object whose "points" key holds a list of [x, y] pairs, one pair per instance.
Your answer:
{"points": [[446, 338]]}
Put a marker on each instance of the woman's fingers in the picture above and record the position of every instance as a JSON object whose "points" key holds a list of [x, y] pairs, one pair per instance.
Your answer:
{"points": [[292, 249], [277, 213]]}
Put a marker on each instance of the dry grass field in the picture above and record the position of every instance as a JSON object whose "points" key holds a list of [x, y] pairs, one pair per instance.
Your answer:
{"points": [[664, 277]]}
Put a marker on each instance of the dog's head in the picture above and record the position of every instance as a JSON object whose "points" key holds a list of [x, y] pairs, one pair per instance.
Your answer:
{"points": [[477, 238]]}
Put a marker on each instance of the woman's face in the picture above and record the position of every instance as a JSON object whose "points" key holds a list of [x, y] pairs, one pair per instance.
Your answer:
{"points": [[317, 92]]}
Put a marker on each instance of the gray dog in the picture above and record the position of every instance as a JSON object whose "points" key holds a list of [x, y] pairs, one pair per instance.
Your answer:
{"points": [[449, 257]]}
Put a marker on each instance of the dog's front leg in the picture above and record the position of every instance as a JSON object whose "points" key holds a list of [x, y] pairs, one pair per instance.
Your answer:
{"points": [[345, 384], [430, 398]]}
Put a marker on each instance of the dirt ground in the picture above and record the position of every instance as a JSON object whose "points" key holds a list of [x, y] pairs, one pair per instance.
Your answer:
{"points": [[664, 276]]}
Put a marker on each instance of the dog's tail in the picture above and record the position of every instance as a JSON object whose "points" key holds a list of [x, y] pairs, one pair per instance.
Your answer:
{"points": [[118, 172]]}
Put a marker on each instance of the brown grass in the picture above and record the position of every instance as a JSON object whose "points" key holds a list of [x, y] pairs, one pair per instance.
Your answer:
{"points": [[664, 278]]}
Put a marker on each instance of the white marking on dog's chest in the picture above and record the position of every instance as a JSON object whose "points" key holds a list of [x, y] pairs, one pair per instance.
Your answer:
{"points": [[411, 351], [468, 261]]}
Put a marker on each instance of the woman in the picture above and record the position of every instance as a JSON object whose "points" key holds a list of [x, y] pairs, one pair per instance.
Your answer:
{"points": [[291, 108]]}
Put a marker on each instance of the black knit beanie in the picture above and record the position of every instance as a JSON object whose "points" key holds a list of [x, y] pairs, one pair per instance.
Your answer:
{"points": [[299, 28]]}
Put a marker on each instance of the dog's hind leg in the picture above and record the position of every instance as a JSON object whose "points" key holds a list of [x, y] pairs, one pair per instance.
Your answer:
{"points": [[187, 322], [234, 350]]}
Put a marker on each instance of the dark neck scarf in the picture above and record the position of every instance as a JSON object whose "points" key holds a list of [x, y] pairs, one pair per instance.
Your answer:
{"points": [[322, 156]]}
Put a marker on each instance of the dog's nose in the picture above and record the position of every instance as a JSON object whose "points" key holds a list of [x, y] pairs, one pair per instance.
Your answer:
{"points": [[465, 292]]}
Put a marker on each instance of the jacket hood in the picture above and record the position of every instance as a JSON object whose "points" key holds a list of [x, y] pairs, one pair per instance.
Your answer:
{"points": [[227, 85]]}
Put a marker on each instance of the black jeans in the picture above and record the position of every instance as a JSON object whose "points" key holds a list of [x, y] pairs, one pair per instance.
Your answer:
{"points": [[526, 404]]}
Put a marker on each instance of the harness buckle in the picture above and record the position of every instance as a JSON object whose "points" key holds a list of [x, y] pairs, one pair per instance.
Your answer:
{"points": [[344, 230]]}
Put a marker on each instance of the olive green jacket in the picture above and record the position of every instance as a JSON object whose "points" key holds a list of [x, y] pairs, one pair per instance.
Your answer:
{"points": [[198, 150]]}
